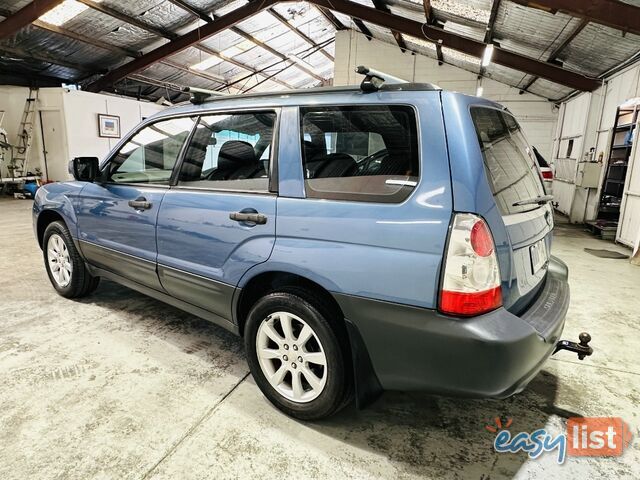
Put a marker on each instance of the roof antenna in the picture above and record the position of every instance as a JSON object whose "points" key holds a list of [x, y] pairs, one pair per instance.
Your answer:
{"points": [[374, 79]]}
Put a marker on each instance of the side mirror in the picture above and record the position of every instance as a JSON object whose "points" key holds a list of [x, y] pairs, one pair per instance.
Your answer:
{"points": [[84, 169]]}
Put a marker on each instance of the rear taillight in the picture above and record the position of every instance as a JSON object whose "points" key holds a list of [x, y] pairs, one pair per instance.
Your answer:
{"points": [[471, 278], [547, 174]]}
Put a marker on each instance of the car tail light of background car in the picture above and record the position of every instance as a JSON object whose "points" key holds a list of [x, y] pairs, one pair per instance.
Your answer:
{"points": [[547, 173], [471, 278]]}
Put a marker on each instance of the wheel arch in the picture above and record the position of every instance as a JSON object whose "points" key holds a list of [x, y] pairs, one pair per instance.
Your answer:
{"points": [[366, 383], [45, 218]]}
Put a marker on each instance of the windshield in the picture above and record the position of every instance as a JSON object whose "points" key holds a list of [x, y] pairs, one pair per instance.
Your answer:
{"points": [[509, 162]]}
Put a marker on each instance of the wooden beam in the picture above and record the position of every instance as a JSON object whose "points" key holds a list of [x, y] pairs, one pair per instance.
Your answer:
{"points": [[380, 5], [462, 44], [304, 37], [26, 15], [612, 13]]}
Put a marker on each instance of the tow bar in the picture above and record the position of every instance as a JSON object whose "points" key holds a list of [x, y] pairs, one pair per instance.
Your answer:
{"points": [[582, 349]]}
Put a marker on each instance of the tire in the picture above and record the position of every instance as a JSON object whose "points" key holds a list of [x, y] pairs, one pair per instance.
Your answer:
{"points": [[72, 279], [315, 397]]}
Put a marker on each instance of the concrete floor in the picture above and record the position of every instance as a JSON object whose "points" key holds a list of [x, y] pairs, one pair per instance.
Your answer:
{"points": [[121, 386]]}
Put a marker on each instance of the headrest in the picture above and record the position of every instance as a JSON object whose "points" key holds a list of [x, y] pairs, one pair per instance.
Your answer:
{"points": [[236, 152], [312, 150]]}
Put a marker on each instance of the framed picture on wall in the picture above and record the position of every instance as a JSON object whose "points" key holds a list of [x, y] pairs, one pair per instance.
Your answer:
{"points": [[108, 126]]}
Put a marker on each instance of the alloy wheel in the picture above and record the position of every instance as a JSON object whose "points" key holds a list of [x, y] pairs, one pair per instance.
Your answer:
{"points": [[59, 260], [291, 357]]}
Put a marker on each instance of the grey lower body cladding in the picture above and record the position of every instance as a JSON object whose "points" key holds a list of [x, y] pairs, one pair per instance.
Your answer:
{"points": [[492, 355]]}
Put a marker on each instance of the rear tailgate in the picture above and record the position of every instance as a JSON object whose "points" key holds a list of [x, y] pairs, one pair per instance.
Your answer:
{"points": [[513, 176]]}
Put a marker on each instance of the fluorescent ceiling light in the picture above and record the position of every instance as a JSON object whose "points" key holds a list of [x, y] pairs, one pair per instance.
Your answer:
{"points": [[63, 12], [479, 91], [486, 56], [302, 63], [206, 63]]}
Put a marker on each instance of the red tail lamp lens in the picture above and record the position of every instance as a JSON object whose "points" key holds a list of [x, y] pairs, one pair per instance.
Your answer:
{"points": [[547, 174], [468, 304], [481, 240]]}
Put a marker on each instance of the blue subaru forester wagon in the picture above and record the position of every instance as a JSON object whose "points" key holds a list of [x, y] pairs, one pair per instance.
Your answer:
{"points": [[359, 239]]}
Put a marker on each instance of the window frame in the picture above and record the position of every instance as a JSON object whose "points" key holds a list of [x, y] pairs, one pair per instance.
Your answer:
{"points": [[145, 124], [273, 154], [196, 116], [504, 111], [361, 199]]}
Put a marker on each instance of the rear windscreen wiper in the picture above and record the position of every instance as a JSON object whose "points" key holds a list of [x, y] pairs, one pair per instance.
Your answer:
{"points": [[534, 201]]}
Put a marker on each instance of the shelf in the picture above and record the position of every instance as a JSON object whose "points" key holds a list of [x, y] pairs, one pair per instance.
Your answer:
{"points": [[621, 146], [614, 181], [626, 126]]}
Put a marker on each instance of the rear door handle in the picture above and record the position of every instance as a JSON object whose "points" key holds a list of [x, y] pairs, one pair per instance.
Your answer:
{"points": [[140, 203], [256, 218]]}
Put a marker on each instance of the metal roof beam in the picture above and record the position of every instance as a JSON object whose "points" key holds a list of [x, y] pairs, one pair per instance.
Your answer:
{"points": [[488, 35], [46, 58], [431, 20], [377, 17], [123, 17], [26, 15], [462, 44], [304, 37], [611, 13], [210, 19], [331, 18], [363, 28], [169, 35], [556, 52], [380, 5]]}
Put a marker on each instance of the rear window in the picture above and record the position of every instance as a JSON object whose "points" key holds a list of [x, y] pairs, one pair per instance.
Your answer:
{"points": [[510, 164], [360, 153]]}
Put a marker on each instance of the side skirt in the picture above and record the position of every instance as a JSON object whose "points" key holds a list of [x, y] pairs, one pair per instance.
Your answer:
{"points": [[163, 297]]}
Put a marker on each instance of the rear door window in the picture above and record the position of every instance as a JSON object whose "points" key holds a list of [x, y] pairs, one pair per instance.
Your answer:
{"points": [[360, 153], [230, 151], [509, 162]]}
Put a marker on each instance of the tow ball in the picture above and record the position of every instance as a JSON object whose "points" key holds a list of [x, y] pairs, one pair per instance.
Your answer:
{"points": [[582, 349]]}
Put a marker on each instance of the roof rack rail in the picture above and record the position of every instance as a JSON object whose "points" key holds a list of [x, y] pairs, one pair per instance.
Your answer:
{"points": [[374, 79], [201, 95]]}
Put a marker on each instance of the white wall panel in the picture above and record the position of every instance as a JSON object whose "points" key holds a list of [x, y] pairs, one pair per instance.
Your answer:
{"points": [[75, 125]]}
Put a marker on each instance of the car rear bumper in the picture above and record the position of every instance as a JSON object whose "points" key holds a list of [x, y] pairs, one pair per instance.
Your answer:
{"points": [[492, 355]]}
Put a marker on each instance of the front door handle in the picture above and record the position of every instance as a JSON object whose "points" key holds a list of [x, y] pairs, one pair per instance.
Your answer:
{"points": [[140, 203], [257, 218]]}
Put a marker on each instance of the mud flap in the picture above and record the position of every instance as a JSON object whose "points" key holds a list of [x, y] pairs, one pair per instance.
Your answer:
{"points": [[367, 385]]}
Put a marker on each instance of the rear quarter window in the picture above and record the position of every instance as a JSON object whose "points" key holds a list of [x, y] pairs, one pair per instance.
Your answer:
{"points": [[360, 153], [509, 162]]}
